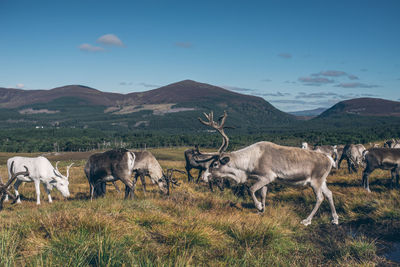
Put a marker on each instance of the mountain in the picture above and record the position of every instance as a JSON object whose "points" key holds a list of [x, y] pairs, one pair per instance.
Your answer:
{"points": [[308, 113], [14, 98], [175, 106], [375, 107]]}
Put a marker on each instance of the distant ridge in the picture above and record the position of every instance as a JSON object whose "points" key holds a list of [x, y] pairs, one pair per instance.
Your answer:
{"points": [[176, 105], [364, 107]]}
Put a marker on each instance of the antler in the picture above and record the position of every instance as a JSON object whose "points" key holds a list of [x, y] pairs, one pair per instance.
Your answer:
{"points": [[219, 127], [172, 180], [69, 166], [57, 166], [4, 187]]}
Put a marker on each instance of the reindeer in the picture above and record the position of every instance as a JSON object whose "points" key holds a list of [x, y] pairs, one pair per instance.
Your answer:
{"points": [[40, 171], [381, 158], [192, 157], [353, 154], [147, 165], [109, 166], [265, 162]]}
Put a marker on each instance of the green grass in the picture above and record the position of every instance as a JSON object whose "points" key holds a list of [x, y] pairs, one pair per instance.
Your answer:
{"points": [[195, 227]]}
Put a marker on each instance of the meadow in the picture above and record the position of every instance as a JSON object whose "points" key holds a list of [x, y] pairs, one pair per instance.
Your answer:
{"points": [[195, 227]]}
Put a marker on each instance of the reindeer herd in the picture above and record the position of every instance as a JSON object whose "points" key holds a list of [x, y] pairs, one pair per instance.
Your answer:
{"points": [[256, 165]]}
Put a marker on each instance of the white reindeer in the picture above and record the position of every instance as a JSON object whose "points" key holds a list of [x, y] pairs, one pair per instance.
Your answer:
{"points": [[40, 171]]}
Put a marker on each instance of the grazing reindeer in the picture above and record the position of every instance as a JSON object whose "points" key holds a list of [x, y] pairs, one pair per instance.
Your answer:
{"points": [[381, 158], [266, 162], [190, 155], [353, 154], [147, 165], [40, 171], [4, 187], [109, 166]]}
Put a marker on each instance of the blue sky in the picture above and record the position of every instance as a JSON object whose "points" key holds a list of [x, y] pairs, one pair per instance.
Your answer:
{"points": [[296, 54]]}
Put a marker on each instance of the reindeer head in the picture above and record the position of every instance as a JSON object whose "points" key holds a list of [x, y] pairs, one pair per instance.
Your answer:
{"points": [[219, 161], [60, 181]]}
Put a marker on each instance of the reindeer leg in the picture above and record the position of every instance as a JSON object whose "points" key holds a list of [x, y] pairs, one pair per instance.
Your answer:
{"points": [[16, 185], [129, 187], [198, 177], [339, 162], [255, 187], [37, 188], [329, 196], [365, 179], [190, 177], [48, 193], [393, 175], [263, 195], [2, 197], [210, 185], [320, 197], [349, 166], [142, 179], [91, 191], [116, 186]]}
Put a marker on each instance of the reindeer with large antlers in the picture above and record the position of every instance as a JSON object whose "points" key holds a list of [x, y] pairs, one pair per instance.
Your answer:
{"points": [[4, 187], [265, 162], [198, 160]]}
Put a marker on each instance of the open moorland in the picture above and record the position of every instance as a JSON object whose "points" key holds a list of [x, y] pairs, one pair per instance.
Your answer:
{"points": [[193, 226]]}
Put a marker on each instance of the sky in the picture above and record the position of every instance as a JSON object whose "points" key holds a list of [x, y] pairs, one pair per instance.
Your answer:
{"points": [[297, 55]]}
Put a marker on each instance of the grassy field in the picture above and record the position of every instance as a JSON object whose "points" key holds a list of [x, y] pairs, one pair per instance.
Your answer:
{"points": [[194, 226]]}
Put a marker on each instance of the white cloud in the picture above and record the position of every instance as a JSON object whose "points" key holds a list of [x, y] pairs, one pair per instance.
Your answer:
{"points": [[20, 85], [110, 39], [90, 48]]}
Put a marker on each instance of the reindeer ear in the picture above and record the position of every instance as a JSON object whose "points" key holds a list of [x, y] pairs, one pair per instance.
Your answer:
{"points": [[224, 160]]}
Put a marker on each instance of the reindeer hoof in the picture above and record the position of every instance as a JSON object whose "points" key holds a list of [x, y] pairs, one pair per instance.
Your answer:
{"points": [[335, 221], [306, 222], [259, 207]]}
